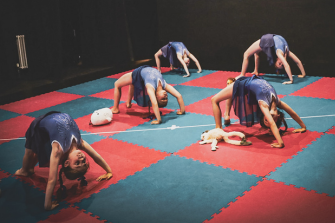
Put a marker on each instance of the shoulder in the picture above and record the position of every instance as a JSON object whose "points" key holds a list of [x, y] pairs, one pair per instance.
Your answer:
{"points": [[57, 150], [263, 104]]}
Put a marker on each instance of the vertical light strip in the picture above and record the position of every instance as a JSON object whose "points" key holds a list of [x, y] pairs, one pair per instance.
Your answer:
{"points": [[21, 49]]}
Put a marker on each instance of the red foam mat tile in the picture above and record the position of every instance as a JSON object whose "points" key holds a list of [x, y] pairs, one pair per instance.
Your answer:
{"points": [[220, 78], [3, 175], [126, 119], [315, 90], [117, 76], [124, 159], [109, 94], [275, 202], [164, 69], [259, 158], [14, 127], [214, 80], [39, 102], [204, 107], [70, 215], [331, 131]]}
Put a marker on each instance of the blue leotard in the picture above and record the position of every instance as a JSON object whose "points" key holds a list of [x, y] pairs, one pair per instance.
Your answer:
{"points": [[269, 43], [280, 44], [47, 129], [247, 92], [170, 51], [142, 76], [152, 76], [180, 48]]}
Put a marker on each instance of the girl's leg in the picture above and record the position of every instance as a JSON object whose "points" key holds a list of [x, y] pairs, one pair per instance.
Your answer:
{"points": [[196, 62], [28, 160], [130, 95], [227, 111], [33, 164], [254, 48], [125, 80], [256, 64], [224, 94]]}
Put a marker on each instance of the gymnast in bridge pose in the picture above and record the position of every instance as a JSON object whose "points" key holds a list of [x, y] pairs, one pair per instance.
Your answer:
{"points": [[147, 86], [53, 139], [277, 51], [178, 55], [255, 101]]}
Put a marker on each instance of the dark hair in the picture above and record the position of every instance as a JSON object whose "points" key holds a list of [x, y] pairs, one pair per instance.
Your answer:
{"points": [[279, 122], [162, 104], [230, 80], [70, 174]]}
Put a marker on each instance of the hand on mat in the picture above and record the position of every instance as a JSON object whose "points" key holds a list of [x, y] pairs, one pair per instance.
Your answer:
{"points": [[180, 113], [277, 145], [106, 176], [255, 72], [299, 130], [288, 82], [54, 204], [156, 122]]}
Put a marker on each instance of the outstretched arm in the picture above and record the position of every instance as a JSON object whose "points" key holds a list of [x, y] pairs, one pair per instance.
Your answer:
{"points": [[158, 61], [273, 126], [298, 62], [154, 104], [56, 154], [196, 62], [286, 66], [177, 95], [98, 159], [180, 58], [294, 115]]}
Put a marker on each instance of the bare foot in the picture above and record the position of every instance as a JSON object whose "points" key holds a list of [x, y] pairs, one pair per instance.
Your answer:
{"points": [[115, 110], [187, 75], [20, 172], [129, 105]]}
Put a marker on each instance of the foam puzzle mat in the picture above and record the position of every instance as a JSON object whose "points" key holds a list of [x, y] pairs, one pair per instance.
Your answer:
{"points": [[162, 174]]}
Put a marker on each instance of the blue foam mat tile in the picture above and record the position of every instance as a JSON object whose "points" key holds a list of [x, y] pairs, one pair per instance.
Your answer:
{"points": [[174, 77], [313, 168], [90, 87], [77, 108], [173, 190], [190, 95], [12, 155], [318, 114], [20, 202], [91, 138], [5, 115], [191, 126], [277, 82]]}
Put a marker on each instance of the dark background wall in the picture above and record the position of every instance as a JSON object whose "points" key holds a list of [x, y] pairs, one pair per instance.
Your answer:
{"points": [[107, 33], [218, 32], [62, 35]]}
